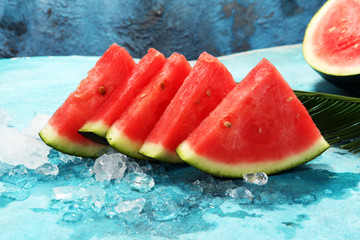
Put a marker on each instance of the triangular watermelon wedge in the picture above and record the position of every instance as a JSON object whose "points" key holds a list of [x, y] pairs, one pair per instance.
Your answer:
{"points": [[101, 120], [129, 131], [61, 130], [207, 84], [260, 126]]}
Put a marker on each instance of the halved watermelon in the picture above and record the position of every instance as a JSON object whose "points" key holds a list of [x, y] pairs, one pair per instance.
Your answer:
{"points": [[61, 130], [332, 42], [128, 133], [260, 126], [207, 84], [101, 120]]}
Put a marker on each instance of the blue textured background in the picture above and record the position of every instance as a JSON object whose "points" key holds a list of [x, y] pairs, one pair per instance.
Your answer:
{"points": [[81, 27]]}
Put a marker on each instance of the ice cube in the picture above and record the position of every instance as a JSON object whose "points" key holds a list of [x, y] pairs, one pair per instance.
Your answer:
{"points": [[141, 182], [15, 174], [97, 205], [34, 127], [165, 210], [133, 167], [17, 148], [195, 187], [259, 178], [62, 159], [133, 206], [241, 195], [4, 168], [19, 175], [47, 171], [14, 192], [110, 166]]}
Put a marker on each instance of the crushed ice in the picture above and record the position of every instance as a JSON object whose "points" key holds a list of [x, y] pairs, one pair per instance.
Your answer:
{"points": [[114, 186]]}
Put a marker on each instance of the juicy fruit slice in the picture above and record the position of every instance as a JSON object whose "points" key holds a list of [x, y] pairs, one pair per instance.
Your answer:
{"points": [[207, 84], [61, 130], [332, 42], [128, 132], [101, 120], [260, 126]]}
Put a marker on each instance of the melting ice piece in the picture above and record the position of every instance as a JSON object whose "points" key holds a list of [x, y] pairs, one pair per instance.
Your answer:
{"points": [[134, 206], [141, 182], [165, 210], [4, 168], [241, 194], [47, 171], [12, 191], [19, 175], [110, 166], [259, 178]]}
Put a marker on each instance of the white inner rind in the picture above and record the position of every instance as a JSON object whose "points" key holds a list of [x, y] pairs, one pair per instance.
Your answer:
{"points": [[317, 62], [120, 142], [158, 152], [52, 138], [97, 127], [269, 166]]}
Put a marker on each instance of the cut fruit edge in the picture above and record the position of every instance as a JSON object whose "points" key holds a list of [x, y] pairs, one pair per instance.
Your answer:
{"points": [[89, 149], [272, 166], [308, 48], [95, 131], [158, 152], [121, 143]]}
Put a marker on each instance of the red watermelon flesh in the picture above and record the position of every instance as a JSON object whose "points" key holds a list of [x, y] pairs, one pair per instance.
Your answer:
{"points": [[101, 120], [61, 130], [128, 132], [207, 84], [332, 40], [260, 126]]}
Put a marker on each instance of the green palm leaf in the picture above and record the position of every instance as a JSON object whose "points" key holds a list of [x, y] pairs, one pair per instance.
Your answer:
{"points": [[337, 117]]}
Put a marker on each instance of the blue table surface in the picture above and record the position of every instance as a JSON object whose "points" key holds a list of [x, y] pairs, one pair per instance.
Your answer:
{"points": [[318, 200]]}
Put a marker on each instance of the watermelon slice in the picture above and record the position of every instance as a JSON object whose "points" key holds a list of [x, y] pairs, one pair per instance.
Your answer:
{"points": [[101, 120], [61, 130], [207, 84], [332, 43], [260, 126], [129, 131]]}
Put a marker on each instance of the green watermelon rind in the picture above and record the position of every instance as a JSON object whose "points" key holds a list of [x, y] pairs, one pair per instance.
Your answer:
{"points": [[63, 144], [159, 152], [272, 166], [123, 144]]}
